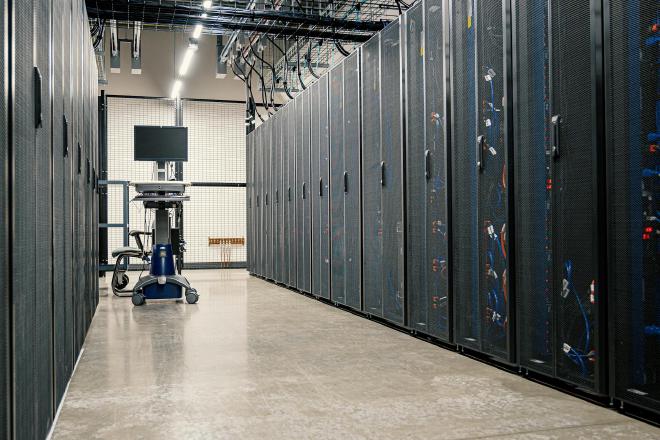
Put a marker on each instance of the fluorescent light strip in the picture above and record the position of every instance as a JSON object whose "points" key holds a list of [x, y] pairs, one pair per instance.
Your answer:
{"points": [[197, 31], [187, 58], [176, 88]]}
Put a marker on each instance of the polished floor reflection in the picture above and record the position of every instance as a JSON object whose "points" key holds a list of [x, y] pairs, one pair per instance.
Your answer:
{"points": [[255, 361]]}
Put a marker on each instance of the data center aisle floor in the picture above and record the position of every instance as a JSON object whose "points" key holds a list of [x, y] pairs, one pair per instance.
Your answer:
{"points": [[255, 361]]}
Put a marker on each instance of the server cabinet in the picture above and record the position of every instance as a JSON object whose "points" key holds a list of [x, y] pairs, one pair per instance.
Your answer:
{"points": [[303, 207], [382, 172], [372, 239], [345, 147], [5, 276], [275, 184], [558, 191], [321, 196], [480, 168], [284, 190], [633, 133], [258, 153], [426, 169], [352, 183], [268, 197], [295, 107], [249, 200]]}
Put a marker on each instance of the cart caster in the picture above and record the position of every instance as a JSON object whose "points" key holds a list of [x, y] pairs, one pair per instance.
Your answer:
{"points": [[138, 298], [191, 296], [120, 282]]}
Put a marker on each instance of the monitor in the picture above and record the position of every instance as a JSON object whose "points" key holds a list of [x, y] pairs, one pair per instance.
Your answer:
{"points": [[160, 144]]}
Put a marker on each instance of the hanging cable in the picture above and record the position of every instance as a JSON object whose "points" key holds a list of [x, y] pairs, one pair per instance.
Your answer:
{"points": [[341, 48], [302, 83], [309, 61]]}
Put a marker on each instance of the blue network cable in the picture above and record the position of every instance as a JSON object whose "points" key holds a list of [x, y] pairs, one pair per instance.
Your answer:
{"points": [[578, 356]]}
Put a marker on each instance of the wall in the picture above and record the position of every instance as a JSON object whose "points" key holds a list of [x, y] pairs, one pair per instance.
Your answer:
{"points": [[162, 53]]}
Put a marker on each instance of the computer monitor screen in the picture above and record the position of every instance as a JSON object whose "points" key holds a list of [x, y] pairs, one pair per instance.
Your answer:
{"points": [[160, 144]]}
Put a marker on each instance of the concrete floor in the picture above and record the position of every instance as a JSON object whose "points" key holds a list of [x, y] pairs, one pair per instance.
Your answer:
{"points": [[255, 361]]}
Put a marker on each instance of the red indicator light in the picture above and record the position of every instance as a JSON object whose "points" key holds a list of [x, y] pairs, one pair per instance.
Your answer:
{"points": [[653, 148], [646, 236], [648, 229], [655, 28], [548, 184]]}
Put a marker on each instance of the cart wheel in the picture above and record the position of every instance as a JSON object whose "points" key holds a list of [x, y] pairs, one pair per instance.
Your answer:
{"points": [[191, 296], [138, 299], [121, 282]]}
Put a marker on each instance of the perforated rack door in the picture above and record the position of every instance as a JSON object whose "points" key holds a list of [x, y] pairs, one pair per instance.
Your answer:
{"points": [[436, 75], [392, 184], [292, 192], [491, 79], [633, 134], [284, 188], [575, 215], [466, 271], [275, 182], [337, 170], [533, 184], [353, 181], [417, 162], [249, 207], [372, 239], [324, 188]]}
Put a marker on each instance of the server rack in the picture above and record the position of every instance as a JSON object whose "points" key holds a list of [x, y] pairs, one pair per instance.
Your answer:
{"points": [[5, 276], [292, 191], [277, 178], [481, 146], [258, 153], [345, 182], [284, 190], [321, 196], [561, 296], [268, 196], [382, 170], [248, 200], [303, 207], [633, 132], [426, 169]]}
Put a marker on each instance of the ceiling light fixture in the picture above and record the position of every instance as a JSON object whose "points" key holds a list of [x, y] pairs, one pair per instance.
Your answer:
{"points": [[206, 4], [197, 31], [187, 58], [176, 88]]}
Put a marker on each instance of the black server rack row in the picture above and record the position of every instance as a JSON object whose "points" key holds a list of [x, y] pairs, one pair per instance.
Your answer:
{"points": [[486, 173], [48, 207]]}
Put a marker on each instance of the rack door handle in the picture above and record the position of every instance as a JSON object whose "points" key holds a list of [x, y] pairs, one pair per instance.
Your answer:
{"points": [[304, 192], [277, 197], [382, 173], [38, 113], [345, 182], [481, 142], [427, 164], [257, 201], [288, 194], [321, 187], [556, 135], [266, 199], [65, 137]]}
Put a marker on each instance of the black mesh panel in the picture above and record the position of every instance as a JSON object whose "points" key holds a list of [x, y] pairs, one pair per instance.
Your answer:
{"points": [[436, 267], [324, 175], [575, 250], [392, 205], [316, 194], [464, 178], [533, 189], [492, 193], [337, 168], [634, 192], [372, 262], [292, 193], [417, 282], [286, 219], [352, 166]]}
